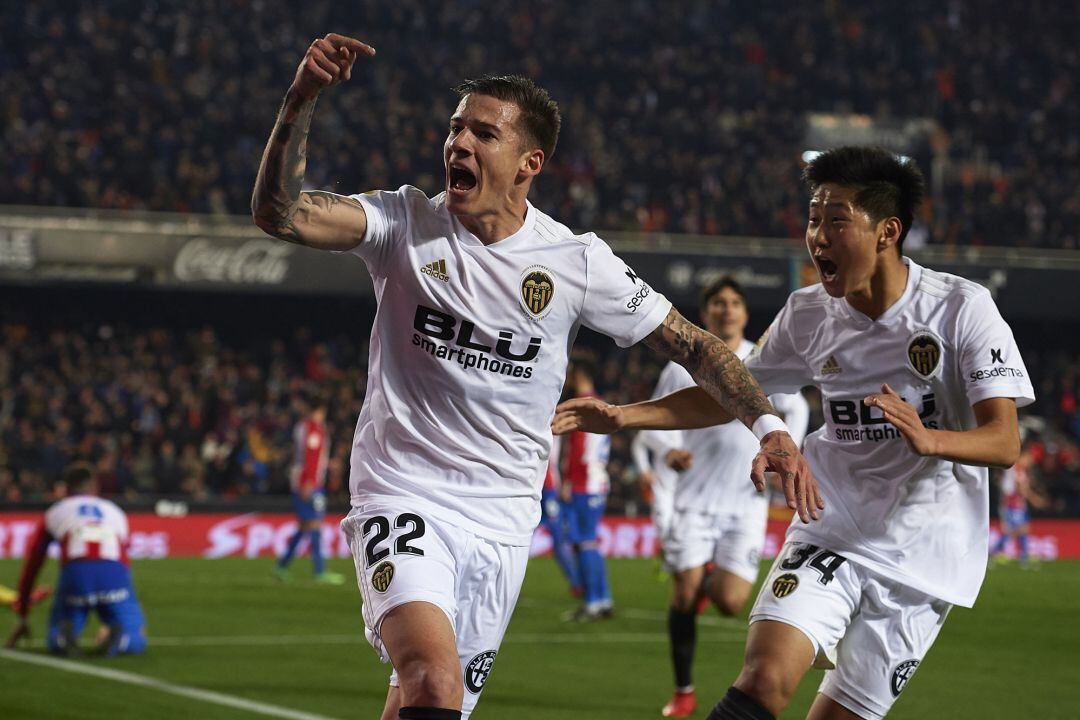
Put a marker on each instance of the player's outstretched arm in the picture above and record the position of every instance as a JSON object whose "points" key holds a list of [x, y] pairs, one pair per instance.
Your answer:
{"points": [[684, 409], [994, 442], [318, 219]]}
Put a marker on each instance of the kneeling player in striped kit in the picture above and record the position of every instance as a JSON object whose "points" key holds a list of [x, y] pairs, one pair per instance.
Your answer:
{"points": [[94, 572]]}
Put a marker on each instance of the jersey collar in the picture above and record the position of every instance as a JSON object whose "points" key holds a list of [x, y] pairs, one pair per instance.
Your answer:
{"points": [[894, 310], [467, 238]]}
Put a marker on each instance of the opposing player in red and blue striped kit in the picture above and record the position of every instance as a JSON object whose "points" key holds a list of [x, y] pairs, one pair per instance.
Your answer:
{"points": [[554, 517], [94, 572], [1016, 491], [308, 480], [585, 457]]}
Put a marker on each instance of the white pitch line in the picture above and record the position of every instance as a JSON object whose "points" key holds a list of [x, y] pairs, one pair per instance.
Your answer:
{"points": [[162, 686], [588, 638], [569, 638]]}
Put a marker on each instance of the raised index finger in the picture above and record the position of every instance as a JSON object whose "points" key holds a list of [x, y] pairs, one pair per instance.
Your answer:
{"points": [[350, 43]]}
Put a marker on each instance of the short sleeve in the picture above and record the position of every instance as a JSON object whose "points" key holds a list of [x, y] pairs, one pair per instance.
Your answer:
{"points": [[990, 361], [617, 301], [386, 221], [775, 363]]}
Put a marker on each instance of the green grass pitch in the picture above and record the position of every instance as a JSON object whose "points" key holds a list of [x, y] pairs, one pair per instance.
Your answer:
{"points": [[228, 626]]}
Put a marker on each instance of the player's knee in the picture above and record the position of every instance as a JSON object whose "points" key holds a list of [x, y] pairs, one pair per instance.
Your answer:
{"points": [[431, 684], [685, 594], [728, 602], [684, 601], [767, 684], [134, 643]]}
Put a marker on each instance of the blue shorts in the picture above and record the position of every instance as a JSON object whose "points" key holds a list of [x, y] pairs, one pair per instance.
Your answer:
{"points": [[1014, 517], [105, 587], [314, 508], [586, 509], [553, 514]]}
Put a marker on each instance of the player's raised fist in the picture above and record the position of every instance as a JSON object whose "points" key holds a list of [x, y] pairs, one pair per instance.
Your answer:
{"points": [[327, 62]]}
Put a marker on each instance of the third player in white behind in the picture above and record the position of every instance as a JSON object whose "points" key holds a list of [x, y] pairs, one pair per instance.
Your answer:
{"points": [[713, 539]]}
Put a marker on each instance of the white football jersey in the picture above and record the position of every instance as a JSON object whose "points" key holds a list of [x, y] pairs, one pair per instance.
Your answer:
{"points": [[943, 347], [88, 528], [658, 443], [468, 354], [718, 480]]}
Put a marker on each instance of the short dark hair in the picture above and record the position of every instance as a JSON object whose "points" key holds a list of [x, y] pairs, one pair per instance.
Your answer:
{"points": [[888, 185], [716, 286], [584, 364], [316, 401], [78, 476], [539, 113]]}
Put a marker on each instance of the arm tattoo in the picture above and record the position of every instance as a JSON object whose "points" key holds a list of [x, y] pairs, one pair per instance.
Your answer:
{"points": [[277, 198], [713, 365]]}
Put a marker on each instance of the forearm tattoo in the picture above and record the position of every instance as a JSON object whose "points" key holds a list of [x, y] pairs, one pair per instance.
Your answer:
{"points": [[713, 365], [277, 198]]}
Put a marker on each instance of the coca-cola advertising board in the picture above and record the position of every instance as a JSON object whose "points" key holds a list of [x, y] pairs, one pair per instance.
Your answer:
{"points": [[217, 535]]}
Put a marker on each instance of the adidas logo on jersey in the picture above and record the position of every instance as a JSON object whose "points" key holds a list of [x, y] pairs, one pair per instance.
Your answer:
{"points": [[436, 270], [831, 367]]}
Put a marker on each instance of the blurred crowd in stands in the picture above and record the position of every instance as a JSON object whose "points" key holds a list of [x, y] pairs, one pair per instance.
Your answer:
{"points": [[203, 415], [688, 120]]}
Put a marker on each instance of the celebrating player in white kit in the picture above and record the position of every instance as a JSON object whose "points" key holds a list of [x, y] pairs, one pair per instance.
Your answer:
{"points": [[920, 380], [480, 295], [717, 517]]}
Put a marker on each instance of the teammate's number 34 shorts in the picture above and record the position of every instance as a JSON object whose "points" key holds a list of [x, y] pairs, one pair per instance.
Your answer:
{"points": [[874, 630]]}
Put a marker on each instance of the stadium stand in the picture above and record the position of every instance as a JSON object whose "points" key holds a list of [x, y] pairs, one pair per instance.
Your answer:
{"points": [[682, 122]]}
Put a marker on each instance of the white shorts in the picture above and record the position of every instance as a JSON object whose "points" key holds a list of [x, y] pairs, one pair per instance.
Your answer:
{"points": [[732, 542], [869, 632], [402, 556], [661, 513]]}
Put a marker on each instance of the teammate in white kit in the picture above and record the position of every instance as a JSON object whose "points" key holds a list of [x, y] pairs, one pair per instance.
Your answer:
{"points": [[94, 572], [920, 380], [658, 461], [480, 296], [717, 516]]}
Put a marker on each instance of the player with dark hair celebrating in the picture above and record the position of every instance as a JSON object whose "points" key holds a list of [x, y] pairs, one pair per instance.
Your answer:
{"points": [[920, 380], [479, 298]]}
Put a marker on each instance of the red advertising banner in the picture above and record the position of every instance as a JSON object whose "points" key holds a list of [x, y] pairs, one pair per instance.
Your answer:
{"points": [[215, 535]]}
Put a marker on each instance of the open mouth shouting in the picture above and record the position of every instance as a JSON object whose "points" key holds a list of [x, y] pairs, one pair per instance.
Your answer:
{"points": [[460, 180], [827, 269]]}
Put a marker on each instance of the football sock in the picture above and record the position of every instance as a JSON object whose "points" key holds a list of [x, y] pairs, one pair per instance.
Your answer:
{"points": [[428, 713], [602, 578], [564, 555], [291, 549], [682, 629], [737, 705], [592, 570], [999, 546], [1022, 540], [315, 538]]}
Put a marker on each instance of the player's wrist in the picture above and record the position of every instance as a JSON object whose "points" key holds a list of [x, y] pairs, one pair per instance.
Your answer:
{"points": [[766, 424], [300, 93]]}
